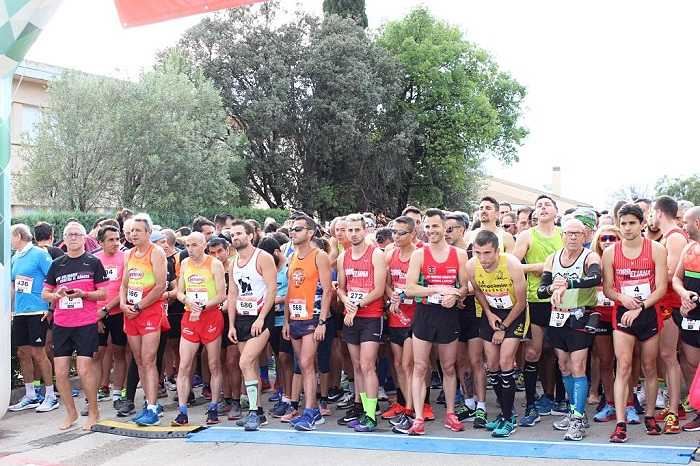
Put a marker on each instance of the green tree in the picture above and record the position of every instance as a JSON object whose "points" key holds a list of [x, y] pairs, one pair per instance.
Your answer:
{"points": [[687, 188], [314, 99], [353, 9], [159, 144], [466, 108]]}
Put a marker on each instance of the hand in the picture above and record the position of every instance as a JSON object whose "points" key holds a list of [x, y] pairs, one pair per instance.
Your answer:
{"points": [[449, 300], [557, 296], [688, 302], [349, 319], [395, 298], [77, 293], [320, 333], [394, 308], [285, 331], [498, 337], [47, 316], [195, 315], [494, 321], [630, 303], [560, 282], [61, 291], [629, 317], [350, 306], [450, 290], [129, 312], [233, 338], [257, 327], [100, 327]]}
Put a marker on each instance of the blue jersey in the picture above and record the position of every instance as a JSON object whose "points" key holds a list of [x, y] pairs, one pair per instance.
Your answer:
{"points": [[282, 283], [28, 272]]}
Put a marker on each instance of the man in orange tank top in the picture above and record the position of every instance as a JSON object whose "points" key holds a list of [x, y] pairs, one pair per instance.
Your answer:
{"points": [[665, 211], [361, 281], [144, 312], [635, 277]]}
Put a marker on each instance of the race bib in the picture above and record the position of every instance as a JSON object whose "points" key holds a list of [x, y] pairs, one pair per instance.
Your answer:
{"points": [[687, 324], [112, 274], [247, 306], [405, 299], [558, 318], [200, 296], [134, 295], [297, 309], [23, 284], [356, 296], [499, 300], [603, 300], [69, 303], [639, 289]]}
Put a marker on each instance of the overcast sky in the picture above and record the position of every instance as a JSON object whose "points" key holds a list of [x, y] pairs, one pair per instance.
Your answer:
{"points": [[612, 85]]}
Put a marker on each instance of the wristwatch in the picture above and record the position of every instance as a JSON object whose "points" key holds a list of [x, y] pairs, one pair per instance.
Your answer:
{"points": [[322, 321], [502, 327]]}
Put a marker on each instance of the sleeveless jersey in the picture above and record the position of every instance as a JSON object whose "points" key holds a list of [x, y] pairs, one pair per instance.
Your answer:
{"points": [[200, 285], [438, 274], [251, 287], [691, 277], [635, 277], [303, 280], [141, 278], [359, 281], [604, 305], [497, 285], [577, 297], [671, 300], [398, 270], [540, 248]]}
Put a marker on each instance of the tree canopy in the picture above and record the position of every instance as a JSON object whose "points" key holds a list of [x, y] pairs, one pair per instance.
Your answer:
{"points": [[687, 188], [352, 9]]}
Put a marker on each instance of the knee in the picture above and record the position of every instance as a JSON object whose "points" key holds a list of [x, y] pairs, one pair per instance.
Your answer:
{"points": [[649, 367], [448, 370], [533, 353], [420, 368], [84, 370], [214, 367], [624, 368], [506, 364], [668, 355], [367, 366], [307, 364], [39, 354]]}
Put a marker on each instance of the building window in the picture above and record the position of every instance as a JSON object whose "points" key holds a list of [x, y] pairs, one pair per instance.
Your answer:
{"points": [[31, 116]]}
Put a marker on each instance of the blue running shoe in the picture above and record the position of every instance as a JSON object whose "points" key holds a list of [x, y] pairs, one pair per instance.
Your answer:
{"points": [[560, 408], [253, 422], [197, 381], [544, 405], [356, 422], [140, 413], [632, 416], [159, 410], [275, 397], [180, 420], [149, 418], [280, 409], [305, 422], [606, 414], [318, 417], [74, 392], [367, 425], [531, 417], [25, 403]]}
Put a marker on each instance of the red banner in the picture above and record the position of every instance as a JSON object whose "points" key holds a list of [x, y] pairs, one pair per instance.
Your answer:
{"points": [[140, 12]]}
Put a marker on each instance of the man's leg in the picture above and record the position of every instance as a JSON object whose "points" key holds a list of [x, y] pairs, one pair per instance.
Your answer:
{"points": [[250, 352], [650, 351], [216, 378], [421, 368], [476, 361], [533, 351], [149, 368], [506, 362], [407, 369], [668, 352], [368, 361], [62, 366], [448, 362], [187, 352], [624, 348]]}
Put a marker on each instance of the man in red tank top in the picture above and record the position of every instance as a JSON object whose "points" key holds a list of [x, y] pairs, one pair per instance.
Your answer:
{"points": [[437, 277], [635, 277], [361, 281], [674, 239]]}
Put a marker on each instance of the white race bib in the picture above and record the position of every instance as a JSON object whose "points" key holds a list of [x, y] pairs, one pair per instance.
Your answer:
{"points": [[356, 296], [499, 301], [405, 300], [134, 295], [558, 318], [23, 284], [297, 309], [639, 289], [247, 306], [112, 274], [687, 324], [69, 303], [603, 300], [199, 297], [435, 299]]}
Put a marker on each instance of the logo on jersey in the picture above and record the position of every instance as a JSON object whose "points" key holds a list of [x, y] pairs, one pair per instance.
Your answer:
{"points": [[196, 279], [431, 269], [135, 274], [244, 285], [298, 277]]}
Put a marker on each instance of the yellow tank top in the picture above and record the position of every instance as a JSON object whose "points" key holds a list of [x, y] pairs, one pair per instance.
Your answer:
{"points": [[141, 276], [200, 285], [497, 286]]}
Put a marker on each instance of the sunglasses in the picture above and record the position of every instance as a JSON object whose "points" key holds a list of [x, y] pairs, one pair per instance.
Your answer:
{"points": [[298, 229], [451, 229], [608, 238], [508, 225], [399, 232]]}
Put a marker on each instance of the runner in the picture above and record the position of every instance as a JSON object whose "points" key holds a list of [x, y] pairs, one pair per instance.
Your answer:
{"points": [[500, 287], [441, 268], [401, 312], [304, 319], [141, 300], [686, 282], [675, 240], [202, 289], [252, 291], [524, 219], [30, 265], [361, 282], [488, 216], [76, 283], [569, 278], [535, 245], [635, 277]]}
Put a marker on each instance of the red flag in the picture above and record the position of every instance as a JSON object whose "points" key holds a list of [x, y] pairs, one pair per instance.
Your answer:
{"points": [[140, 12]]}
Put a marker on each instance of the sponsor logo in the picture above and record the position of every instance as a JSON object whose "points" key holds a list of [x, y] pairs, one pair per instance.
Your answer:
{"points": [[431, 269], [135, 274], [196, 279], [298, 277]]}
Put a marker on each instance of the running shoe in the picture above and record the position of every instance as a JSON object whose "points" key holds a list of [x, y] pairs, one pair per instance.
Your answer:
{"points": [[393, 411], [381, 394], [686, 406], [170, 384], [564, 423], [279, 409], [651, 426], [682, 413], [692, 426], [74, 392], [180, 420], [619, 435], [428, 414], [531, 417], [276, 396], [318, 417], [504, 428], [435, 380], [441, 398], [324, 409], [212, 416], [84, 410], [403, 424], [417, 428], [197, 381], [671, 424], [576, 430], [126, 408], [149, 418], [356, 422], [367, 425], [253, 422], [290, 414], [346, 400], [103, 394], [305, 422], [236, 412], [49, 404], [544, 405], [162, 391], [25, 403], [661, 398], [480, 418], [335, 394], [464, 413], [606, 414], [561, 408], [350, 415], [631, 415], [491, 425], [451, 422]]}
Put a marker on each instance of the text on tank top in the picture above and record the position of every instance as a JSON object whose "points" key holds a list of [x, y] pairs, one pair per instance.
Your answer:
{"points": [[576, 297], [497, 285], [439, 274], [398, 270], [635, 277], [200, 284], [303, 280], [141, 277], [252, 288], [359, 281]]}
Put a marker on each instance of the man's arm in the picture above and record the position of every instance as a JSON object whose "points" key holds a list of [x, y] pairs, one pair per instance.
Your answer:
{"points": [[323, 264], [659, 254], [269, 274], [675, 245]]}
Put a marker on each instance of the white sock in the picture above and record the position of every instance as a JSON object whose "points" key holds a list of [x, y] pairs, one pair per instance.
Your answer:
{"points": [[481, 405], [29, 391], [153, 408], [286, 399], [116, 395], [470, 403], [49, 391]]}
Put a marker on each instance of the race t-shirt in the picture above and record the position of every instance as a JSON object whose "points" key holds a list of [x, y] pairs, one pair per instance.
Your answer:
{"points": [[114, 268], [28, 272]]}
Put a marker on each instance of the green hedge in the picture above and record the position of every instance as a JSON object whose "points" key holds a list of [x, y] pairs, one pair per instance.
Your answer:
{"points": [[165, 219]]}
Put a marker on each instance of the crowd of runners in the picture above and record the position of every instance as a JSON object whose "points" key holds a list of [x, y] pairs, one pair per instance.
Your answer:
{"points": [[432, 307]]}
